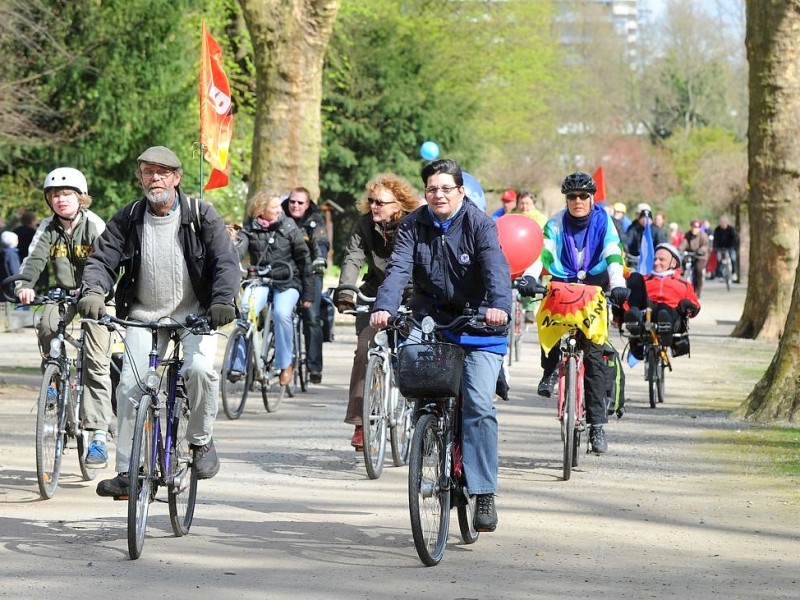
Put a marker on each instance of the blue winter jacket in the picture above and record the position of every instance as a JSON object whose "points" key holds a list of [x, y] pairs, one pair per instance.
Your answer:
{"points": [[463, 267]]}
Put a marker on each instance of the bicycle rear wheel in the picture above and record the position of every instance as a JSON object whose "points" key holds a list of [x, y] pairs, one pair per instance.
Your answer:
{"points": [[374, 417], [49, 434], [428, 503], [142, 475], [182, 483], [234, 386], [465, 508], [83, 441], [402, 426], [568, 417]]}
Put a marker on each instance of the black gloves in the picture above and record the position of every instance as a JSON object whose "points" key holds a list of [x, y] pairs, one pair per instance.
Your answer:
{"points": [[687, 308], [318, 266], [92, 304], [221, 314], [344, 303], [529, 286], [619, 295]]}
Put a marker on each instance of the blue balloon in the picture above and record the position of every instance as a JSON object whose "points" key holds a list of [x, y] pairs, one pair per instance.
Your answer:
{"points": [[474, 190], [429, 150]]}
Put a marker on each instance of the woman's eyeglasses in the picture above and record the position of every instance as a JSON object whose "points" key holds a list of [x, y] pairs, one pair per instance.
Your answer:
{"points": [[445, 189], [575, 196], [379, 202]]}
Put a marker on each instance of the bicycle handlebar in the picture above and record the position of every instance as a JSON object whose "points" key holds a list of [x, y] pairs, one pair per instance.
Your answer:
{"points": [[256, 275], [195, 324], [352, 288], [55, 295]]}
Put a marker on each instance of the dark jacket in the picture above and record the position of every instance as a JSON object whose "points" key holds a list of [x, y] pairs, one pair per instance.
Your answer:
{"points": [[209, 254], [634, 237], [725, 238], [315, 232], [281, 241], [370, 243], [461, 268]]}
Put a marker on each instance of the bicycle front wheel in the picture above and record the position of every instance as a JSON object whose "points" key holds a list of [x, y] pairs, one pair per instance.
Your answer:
{"points": [[142, 475], [49, 434], [182, 483], [651, 369], [235, 384], [428, 503], [568, 418], [374, 417], [272, 392]]}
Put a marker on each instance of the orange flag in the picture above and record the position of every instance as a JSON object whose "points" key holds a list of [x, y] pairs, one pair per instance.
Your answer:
{"points": [[216, 112], [600, 179]]}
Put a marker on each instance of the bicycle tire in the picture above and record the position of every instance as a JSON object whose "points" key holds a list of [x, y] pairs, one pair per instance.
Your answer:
{"points": [[727, 270], [301, 373], [374, 417], [82, 440], [651, 366], [466, 517], [272, 392], [428, 504], [141, 475], [294, 384], [401, 426], [182, 488], [234, 392], [568, 418], [576, 449], [49, 437], [82, 436], [660, 388]]}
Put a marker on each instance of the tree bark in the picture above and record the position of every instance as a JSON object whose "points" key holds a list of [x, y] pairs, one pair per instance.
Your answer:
{"points": [[774, 165], [290, 38]]}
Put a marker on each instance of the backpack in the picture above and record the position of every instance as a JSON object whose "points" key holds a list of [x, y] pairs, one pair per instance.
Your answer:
{"points": [[327, 312], [615, 381]]}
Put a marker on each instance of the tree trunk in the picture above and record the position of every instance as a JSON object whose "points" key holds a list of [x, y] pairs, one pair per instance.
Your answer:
{"points": [[290, 38], [774, 165]]}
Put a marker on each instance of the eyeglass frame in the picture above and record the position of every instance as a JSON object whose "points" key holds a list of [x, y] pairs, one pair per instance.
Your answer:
{"points": [[163, 173], [445, 189]]}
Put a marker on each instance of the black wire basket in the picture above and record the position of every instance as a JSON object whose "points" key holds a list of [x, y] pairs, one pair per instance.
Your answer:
{"points": [[430, 370]]}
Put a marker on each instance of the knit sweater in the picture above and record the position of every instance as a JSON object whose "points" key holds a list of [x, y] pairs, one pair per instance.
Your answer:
{"points": [[163, 288]]}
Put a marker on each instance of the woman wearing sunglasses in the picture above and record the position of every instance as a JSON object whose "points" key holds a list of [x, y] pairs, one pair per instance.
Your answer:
{"points": [[386, 200]]}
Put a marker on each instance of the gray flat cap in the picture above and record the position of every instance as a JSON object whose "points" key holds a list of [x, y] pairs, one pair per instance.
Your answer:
{"points": [[160, 155]]}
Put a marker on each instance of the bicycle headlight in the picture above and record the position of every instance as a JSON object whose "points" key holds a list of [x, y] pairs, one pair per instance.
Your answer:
{"points": [[382, 338], [428, 325], [152, 379], [55, 347]]}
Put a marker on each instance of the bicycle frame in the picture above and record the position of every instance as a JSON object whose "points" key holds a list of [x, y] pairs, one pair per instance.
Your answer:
{"points": [[570, 350]]}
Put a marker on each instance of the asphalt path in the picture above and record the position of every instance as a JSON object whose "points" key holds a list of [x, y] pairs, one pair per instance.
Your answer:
{"points": [[667, 513]]}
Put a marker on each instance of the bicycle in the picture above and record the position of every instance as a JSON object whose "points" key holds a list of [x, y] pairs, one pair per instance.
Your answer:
{"points": [[656, 359], [385, 413], [726, 268], [160, 452], [243, 365], [58, 416], [430, 371], [687, 266]]}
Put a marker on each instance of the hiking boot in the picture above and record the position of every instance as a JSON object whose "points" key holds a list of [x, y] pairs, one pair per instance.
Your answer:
{"points": [[357, 441], [547, 384], [315, 377], [97, 456], [117, 487], [597, 439], [286, 375], [485, 514], [205, 462]]}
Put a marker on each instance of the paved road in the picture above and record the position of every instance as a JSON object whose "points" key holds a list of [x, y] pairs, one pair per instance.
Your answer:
{"points": [[665, 514]]}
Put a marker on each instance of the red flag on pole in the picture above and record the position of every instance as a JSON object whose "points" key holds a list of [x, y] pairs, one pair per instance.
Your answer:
{"points": [[600, 180], [216, 114]]}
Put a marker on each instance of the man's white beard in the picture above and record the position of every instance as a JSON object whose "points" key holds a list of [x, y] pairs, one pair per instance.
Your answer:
{"points": [[160, 197]]}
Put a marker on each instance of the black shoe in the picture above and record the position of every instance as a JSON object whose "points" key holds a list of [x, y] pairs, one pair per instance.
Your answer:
{"points": [[315, 377], [234, 376], [485, 514], [664, 328], [632, 323], [597, 439], [548, 384], [205, 461], [117, 487]]}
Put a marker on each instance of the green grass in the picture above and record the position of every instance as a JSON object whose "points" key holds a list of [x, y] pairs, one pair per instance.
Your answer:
{"points": [[771, 450]]}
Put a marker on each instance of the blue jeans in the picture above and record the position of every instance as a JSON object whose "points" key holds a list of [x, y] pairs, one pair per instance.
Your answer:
{"points": [[283, 304], [479, 440]]}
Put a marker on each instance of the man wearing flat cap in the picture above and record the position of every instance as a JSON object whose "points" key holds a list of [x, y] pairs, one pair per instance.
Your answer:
{"points": [[176, 259]]}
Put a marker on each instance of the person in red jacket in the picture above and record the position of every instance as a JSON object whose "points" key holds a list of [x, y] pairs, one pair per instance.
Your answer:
{"points": [[671, 298]]}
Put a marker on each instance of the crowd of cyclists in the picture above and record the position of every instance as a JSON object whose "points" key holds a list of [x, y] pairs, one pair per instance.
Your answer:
{"points": [[166, 255]]}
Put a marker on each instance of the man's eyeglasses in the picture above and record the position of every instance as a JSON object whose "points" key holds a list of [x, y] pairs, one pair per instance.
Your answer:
{"points": [[151, 173], [445, 189], [379, 202], [576, 195]]}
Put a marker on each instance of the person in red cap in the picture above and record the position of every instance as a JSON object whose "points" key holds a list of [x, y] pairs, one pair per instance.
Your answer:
{"points": [[509, 199], [696, 241]]}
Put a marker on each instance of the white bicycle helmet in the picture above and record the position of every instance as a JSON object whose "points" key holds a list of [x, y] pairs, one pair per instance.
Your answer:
{"points": [[66, 177]]}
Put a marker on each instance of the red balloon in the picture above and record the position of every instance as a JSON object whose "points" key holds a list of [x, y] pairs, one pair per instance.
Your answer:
{"points": [[520, 239]]}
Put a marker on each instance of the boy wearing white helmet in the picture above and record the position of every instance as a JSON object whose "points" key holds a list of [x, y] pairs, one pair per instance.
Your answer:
{"points": [[65, 240]]}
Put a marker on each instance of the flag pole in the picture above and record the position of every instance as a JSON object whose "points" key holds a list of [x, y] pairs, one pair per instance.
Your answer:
{"points": [[202, 152]]}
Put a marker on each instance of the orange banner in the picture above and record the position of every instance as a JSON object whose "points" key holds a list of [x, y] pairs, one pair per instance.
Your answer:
{"points": [[568, 306], [216, 112]]}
